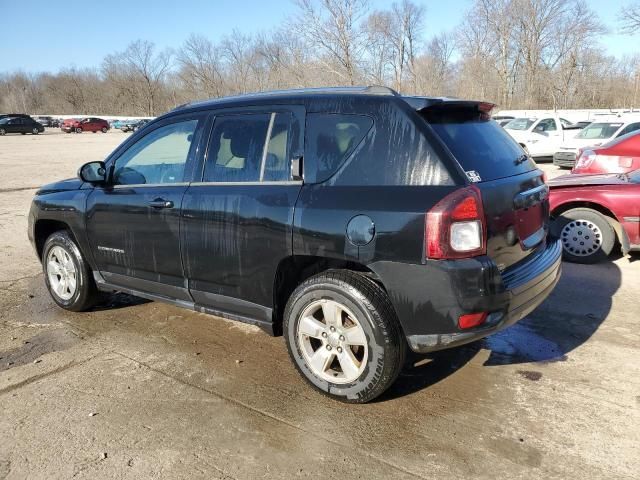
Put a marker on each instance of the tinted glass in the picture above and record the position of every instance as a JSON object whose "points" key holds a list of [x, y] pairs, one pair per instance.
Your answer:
{"points": [[330, 139], [520, 124], [277, 162], [236, 148], [546, 125], [634, 177], [479, 144], [632, 127], [158, 157], [599, 130]]}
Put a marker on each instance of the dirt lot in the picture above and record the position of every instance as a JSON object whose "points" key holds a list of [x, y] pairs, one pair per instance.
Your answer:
{"points": [[137, 389]]}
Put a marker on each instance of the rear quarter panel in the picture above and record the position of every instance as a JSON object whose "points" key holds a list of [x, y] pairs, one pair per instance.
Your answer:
{"points": [[623, 201]]}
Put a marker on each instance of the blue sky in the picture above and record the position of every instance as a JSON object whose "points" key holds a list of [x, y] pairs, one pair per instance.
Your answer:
{"points": [[54, 34]]}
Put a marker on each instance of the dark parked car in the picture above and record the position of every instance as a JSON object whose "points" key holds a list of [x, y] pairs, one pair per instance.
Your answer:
{"points": [[20, 125], [356, 221], [16, 115], [592, 212], [87, 124], [134, 125], [620, 155], [46, 121]]}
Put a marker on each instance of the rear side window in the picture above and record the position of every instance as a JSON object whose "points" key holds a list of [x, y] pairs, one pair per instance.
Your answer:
{"points": [[481, 147], [330, 139], [249, 148]]}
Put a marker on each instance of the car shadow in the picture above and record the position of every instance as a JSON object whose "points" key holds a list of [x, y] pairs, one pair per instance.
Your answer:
{"points": [[117, 300], [573, 312]]}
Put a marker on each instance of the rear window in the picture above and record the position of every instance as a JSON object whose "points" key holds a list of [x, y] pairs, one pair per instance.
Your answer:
{"points": [[481, 147], [599, 131], [330, 139]]}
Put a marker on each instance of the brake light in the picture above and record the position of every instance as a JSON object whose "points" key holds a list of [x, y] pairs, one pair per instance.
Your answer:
{"points": [[585, 159], [454, 227], [471, 320]]}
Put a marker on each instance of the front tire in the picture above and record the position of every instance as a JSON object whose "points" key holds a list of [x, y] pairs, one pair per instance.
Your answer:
{"points": [[78, 130], [2, 132], [35, 131], [343, 336], [586, 235], [66, 274]]}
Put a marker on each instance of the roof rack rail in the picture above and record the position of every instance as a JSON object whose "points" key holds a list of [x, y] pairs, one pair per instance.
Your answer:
{"points": [[381, 90]]}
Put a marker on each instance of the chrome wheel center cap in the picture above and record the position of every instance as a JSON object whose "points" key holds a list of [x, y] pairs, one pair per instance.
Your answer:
{"points": [[333, 339]]}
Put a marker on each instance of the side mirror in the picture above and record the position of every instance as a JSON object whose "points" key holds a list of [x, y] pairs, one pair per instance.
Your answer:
{"points": [[93, 172]]}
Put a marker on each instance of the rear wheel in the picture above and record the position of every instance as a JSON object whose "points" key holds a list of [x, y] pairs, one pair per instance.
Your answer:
{"points": [[104, 129], [586, 235], [66, 274], [343, 336]]}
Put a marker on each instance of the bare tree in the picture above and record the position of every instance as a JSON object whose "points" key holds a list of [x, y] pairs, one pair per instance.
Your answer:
{"points": [[630, 18], [333, 26], [140, 72], [200, 66]]}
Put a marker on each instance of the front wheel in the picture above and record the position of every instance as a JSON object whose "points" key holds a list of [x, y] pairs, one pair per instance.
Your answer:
{"points": [[343, 335], [35, 131], [586, 235], [66, 273], [78, 130], [2, 132]]}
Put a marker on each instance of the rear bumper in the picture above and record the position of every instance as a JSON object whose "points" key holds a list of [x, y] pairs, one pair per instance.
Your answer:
{"points": [[429, 312], [564, 159]]}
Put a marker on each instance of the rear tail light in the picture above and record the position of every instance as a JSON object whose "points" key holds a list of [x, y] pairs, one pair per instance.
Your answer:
{"points": [[585, 159], [454, 227], [471, 320]]}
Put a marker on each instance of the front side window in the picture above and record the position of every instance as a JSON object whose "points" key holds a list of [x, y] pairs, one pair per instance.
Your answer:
{"points": [[249, 148], [158, 157], [330, 139], [546, 125]]}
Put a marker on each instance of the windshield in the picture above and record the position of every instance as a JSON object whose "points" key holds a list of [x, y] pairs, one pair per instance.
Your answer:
{"points": [[599, 131], [520, 123], [4, 120], [634, 177], [482, 148]]}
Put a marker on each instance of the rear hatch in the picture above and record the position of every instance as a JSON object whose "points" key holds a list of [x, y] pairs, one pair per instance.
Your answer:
{"points": [[514, 194]]}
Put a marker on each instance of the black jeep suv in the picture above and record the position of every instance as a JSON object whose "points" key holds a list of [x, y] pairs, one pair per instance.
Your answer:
{"points": [[354, 220]]}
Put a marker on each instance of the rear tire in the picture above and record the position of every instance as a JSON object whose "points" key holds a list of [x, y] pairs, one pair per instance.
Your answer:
{"points": [[586, 235], [343, 336], [67, 275], [104, 129]]}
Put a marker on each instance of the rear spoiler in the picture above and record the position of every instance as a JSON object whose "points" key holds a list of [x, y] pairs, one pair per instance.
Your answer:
{"points": [[427, 103]]}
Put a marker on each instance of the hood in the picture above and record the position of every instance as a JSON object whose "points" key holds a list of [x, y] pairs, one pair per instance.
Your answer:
{"points": [[60, 186], [578, 180]]}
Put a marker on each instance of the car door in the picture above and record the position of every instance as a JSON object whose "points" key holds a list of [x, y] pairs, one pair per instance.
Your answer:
{"points": [[133, 223], [237, 221]]}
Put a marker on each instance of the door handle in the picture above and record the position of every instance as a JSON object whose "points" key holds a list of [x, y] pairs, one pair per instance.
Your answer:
{"points": [[161, 203]]}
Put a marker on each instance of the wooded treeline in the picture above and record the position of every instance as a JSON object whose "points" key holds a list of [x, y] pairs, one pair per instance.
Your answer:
{"points": [[517, 53]]}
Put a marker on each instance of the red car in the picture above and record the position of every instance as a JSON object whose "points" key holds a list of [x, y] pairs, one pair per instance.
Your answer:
{"points": [[87, 124], [620, 155], [590, 212]]}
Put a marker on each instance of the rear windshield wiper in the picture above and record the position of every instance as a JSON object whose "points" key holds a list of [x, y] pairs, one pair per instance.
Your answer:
{"points": [[521, 159]]}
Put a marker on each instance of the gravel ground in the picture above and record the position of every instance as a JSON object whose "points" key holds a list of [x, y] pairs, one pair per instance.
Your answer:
{"points": [[138, 389]]}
